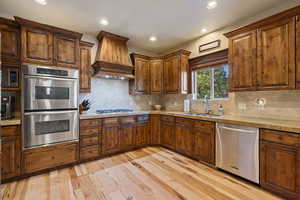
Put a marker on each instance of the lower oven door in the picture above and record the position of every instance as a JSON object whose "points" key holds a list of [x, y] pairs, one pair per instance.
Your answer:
{"points": [[43, 128]]}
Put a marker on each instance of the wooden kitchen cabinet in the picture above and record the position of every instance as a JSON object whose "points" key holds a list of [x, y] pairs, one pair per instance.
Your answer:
{"points": [[176, 73], [168, 132], [66, 51], [242, 61], [48, 45], [184, 136], [204, 147], [156, 75], [127, 133], [141, 83], [85, 66], [142, 131], [298, 52], [10, 42], [280, 163], [110, 135], [276, 55], [11, 152], [37, 46], [155, 129]]}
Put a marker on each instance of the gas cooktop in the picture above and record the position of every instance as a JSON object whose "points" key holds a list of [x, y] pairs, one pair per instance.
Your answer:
{"points": [[108, 111]]}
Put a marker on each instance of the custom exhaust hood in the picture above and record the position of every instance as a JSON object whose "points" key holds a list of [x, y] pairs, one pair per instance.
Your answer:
{"points": [[112, 59]]}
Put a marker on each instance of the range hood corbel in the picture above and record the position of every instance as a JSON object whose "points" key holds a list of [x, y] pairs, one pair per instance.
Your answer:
{"points": [[112, 59]]}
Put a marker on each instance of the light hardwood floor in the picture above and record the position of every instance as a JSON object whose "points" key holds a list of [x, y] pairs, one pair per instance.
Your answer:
{"points": [[146, 174]]}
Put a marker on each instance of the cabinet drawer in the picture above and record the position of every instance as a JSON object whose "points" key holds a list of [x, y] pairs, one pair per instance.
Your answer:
{"points": [[10, 130], [108, 122], [86, 141], [167, 118], [90, 123], [184, 121], [280, 137], [89, 152], [142, 118], [48, 157], [204, 126], [127, 120], [89, 131]]}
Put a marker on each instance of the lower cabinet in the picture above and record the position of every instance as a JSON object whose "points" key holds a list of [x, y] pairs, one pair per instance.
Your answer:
{"points": [[280, 163], [127, 135], [142, 137], [110, 139], [155, 129], [168, 134], [184, 136], [11, 154], [49, 157], [204, 147]]}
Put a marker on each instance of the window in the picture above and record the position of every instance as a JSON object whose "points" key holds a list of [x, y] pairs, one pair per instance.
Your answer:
{"points": [[211, 82]]}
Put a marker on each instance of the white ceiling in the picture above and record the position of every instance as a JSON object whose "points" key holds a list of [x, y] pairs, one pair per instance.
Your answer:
{"points": [[172, 21]]}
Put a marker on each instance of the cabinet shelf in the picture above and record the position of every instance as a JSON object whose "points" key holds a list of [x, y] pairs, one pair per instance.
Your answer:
{"points": [[11, 89]]}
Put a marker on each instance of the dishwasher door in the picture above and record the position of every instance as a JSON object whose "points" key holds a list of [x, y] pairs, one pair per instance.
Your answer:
{"points": [[238, 150]]}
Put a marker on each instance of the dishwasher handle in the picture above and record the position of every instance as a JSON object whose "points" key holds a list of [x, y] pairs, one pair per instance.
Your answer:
{"points": [[238, 130]]}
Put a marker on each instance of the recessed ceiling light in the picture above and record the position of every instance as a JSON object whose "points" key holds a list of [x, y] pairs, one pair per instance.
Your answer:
{"points": [[42, 2], [204, 30], [104, 22], [152, 38], [211, 4]]}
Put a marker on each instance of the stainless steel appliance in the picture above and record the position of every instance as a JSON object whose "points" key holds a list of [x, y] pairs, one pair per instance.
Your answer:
{"points": [[237, 150], [50, 105], [7, 107], [49, 88]]}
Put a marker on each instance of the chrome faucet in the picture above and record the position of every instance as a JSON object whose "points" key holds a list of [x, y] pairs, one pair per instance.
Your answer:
{"points": [[207, 107]]}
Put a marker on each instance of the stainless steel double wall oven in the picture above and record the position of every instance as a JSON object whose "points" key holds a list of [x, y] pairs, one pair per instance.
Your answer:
{"points": [[49, 105]]}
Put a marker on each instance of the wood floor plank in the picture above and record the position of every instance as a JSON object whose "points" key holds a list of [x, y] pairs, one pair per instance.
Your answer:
{"points": [[151, 173]]}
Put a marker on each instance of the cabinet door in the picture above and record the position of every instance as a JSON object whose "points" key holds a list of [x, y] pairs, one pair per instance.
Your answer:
{"points": [[142, 76], [276, 55], [142, 134], [66, 51], [168, 134], [298, 52], [37, 46], [85, 67], [10, 41], [242, 60], [204, 146], [280, 169], [127, 134], [184, 139], [156, 75], [155, 129], [11, 153], [171, 75], [110, 139]]}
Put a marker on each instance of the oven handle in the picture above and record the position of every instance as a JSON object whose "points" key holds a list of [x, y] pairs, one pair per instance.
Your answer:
{"points": [[51, 78], [50, 112]]}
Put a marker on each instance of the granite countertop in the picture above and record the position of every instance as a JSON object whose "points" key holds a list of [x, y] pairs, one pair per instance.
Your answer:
{"points": [[10, 122], [275, 124]]}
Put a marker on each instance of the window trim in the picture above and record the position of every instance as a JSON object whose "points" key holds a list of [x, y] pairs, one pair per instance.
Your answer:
{"points": [[212, 82]]}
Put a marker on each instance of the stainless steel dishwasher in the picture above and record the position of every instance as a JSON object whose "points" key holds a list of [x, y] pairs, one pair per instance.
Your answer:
{"points": [[238, 150]]}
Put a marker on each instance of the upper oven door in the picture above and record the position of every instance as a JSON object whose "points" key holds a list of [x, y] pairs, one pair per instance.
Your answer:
{"points": [[42, 128], [49, 93]]}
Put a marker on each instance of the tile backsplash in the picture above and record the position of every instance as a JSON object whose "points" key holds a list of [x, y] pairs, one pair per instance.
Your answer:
{"points": [[110, 94], [279, 104]]}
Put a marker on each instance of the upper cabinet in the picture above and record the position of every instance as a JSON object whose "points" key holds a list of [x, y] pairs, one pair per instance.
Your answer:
{"points": [[276, 55], [157, 75], [48, 45], [265, 55], [142, 74], [242, 59], [85, 66], [10, 42]]}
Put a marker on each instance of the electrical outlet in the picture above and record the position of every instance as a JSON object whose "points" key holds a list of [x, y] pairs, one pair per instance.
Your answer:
{"points": [[242, 106]]}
